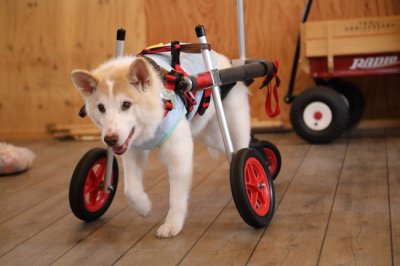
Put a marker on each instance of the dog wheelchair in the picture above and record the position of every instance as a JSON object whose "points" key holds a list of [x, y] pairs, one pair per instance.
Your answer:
{"points": [[252, 170]]}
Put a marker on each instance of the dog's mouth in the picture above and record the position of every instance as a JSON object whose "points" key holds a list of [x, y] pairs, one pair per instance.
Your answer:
{"points": [[119, 150]]}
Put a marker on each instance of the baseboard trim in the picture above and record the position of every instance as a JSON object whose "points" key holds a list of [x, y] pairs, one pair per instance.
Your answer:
{"points": [[24, 135]]}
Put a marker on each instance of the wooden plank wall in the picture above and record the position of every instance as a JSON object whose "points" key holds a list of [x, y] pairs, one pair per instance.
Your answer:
{"points": [[43, 40], [271, 32]]}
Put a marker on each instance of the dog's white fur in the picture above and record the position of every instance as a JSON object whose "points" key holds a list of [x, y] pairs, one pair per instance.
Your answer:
{"points": [[134, 81]]}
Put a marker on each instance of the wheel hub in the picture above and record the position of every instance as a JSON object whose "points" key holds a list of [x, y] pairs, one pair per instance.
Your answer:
{"points": [[93, 195], [317, 116], [257, 187], [272, 160]]}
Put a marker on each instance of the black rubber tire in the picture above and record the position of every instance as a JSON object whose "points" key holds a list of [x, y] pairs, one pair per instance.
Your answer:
{"points": [[261, 146], [337, 105], [239, 190], [77, 184], [354, 97]]}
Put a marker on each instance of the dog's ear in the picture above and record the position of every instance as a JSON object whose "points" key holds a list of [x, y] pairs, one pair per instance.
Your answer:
{"points": [[85, 82], [139, 74]]}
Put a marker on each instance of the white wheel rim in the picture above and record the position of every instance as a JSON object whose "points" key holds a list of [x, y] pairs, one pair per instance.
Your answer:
{"points": [[317, 116]]}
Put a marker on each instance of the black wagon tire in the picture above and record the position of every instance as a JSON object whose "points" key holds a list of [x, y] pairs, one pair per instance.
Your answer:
{"points": [[354, 98], [319, 115], [87, 198], [252, 188], [271, 154]]}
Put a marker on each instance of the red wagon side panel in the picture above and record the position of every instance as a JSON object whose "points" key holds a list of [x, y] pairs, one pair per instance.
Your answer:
{"points": [[356, 65]]}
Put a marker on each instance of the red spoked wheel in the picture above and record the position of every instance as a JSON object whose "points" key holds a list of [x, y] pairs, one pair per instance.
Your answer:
{"points": [[87, 198], [271, 153], [252, 187], [94, 196]]}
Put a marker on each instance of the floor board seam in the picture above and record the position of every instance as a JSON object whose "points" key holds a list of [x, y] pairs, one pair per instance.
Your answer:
{"points": [[83, 239], [162, 218], [389, 202], [279, 203], [333, 202], [204, 232], [30, 237]]}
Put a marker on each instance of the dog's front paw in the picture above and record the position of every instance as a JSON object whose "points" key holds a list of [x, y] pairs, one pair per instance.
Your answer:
{"points": [[168, 230], [144, 208], [141, 203]]}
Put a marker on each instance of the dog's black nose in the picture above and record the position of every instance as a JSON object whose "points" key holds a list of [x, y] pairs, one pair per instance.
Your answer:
{"points": [[111, 140]]}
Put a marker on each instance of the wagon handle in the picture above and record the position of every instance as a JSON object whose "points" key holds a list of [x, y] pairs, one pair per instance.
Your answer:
{"points": [[289, 96]]}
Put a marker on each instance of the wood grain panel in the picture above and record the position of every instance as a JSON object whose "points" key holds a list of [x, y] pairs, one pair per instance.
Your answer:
{"points": [[382, 96], [304, 211], [359, 227], [268, 25], [271, 33], [393, 157], [42, 41], [334, 201], [230, 235]]}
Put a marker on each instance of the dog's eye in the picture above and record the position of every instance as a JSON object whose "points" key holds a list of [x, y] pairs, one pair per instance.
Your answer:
{"points": [[101, 108], [125, 106]]}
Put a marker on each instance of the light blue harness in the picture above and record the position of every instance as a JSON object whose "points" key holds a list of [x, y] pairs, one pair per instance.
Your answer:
{"points": [[192, 64]]}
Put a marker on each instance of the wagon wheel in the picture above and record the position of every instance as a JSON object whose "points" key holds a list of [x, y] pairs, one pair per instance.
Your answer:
{"points": [[252, 187], [354, 98], [87, 198], [319, 115]]}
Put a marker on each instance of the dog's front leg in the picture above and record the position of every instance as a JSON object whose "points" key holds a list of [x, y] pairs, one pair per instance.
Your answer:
{"points": [[177, 154], [134, 162]]}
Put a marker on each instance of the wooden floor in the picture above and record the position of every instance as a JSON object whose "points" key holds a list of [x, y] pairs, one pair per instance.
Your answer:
{"points": [[337, 204]]}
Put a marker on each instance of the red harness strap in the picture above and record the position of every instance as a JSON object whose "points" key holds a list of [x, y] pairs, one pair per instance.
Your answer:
{"points": [[205, 101], [187, 97], [272, 89], [173, 76]]}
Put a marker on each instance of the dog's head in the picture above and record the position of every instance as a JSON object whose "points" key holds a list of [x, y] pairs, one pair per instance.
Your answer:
{"points": [[122, 97]]}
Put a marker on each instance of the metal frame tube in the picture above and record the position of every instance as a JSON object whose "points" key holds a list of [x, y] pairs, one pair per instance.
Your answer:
{"points": [[119, 51], [241, 34], [110, 160], [223, 125]]}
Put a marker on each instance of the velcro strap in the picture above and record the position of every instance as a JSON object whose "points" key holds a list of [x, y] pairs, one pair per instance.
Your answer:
{"points": [[195, 47], [168, 105], [205, 101], [187, 48], [207, 93], [171, 77], [179, 69], [170, 80], [175, 54], [190, 98]]}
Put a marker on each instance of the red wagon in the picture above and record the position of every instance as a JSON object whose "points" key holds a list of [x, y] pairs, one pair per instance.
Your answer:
{"points": [[330, 51]]}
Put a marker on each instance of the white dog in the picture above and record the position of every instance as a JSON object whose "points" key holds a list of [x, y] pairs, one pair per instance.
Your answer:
{"points": [[122, 97]]}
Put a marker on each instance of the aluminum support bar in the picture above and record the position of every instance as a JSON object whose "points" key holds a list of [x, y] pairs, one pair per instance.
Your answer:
{"points": [[201, 37], [119, 51]]}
